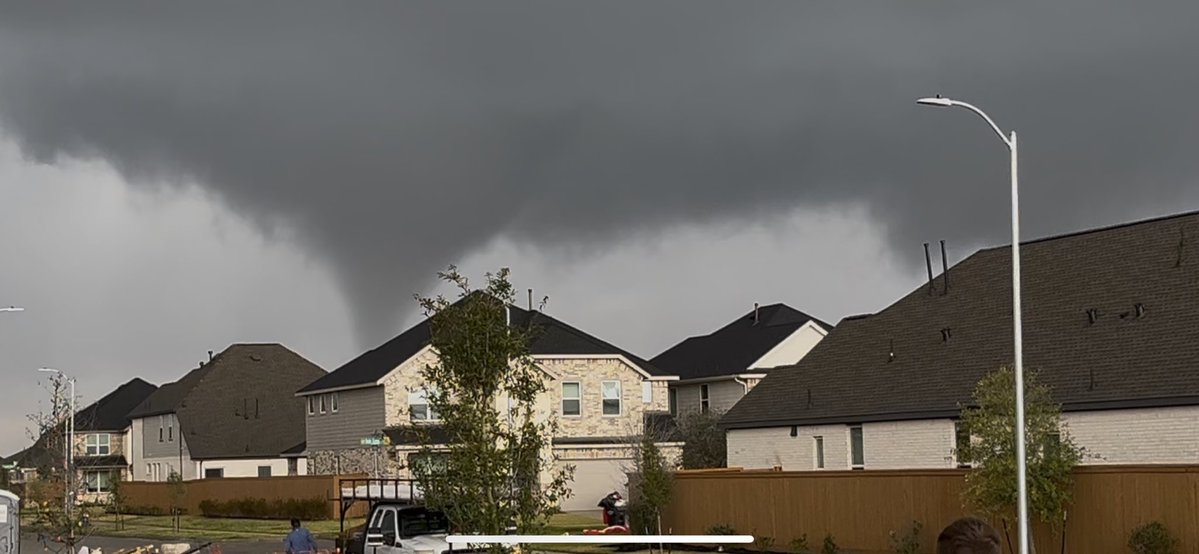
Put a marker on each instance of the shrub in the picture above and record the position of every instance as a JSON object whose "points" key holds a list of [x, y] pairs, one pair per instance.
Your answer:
{"points": [[764, 543], [261, 508], [800, 545], [908, 543], [145, 511], [722, 529], [1152, 538], [830, 546]]}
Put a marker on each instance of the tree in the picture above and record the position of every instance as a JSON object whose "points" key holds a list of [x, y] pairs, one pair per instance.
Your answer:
{"points": [[652, 487], [178, 491], [497, 469], [704, 443], [1051, 452], [54, 482]]}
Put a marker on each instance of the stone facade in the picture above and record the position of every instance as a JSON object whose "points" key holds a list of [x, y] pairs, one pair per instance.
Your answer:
{"points": [[403, 380], [591, 373]]}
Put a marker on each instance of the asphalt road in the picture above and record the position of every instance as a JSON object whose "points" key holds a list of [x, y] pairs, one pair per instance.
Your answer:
{"points": [[30, 545]]}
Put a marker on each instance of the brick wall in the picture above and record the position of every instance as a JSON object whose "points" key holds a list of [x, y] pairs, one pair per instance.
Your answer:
{"points": [[1142, 436], [921, 444]]}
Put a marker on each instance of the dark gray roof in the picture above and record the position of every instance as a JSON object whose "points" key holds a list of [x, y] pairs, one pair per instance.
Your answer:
{"points": [[731, 349], [553, 337], [111, 413], [1121, 360], [241, 404]]}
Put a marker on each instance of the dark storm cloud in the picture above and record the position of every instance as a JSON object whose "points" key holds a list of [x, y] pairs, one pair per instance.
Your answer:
{"points": [[394, 138]]}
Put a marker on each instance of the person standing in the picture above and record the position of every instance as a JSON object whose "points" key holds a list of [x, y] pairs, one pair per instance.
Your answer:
{"points": [[299, 540]]}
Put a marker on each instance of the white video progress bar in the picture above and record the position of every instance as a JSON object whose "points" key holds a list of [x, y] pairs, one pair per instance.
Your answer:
{"points": [[599, 539]]}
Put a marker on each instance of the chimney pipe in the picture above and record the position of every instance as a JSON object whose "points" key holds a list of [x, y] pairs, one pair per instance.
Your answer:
{"points": [[944, 271], [530, 300], [755, 313], [928, 262], [210, 355]]}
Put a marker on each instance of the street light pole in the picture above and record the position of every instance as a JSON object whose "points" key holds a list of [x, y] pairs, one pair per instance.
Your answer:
{"points": [[1017, 317]]}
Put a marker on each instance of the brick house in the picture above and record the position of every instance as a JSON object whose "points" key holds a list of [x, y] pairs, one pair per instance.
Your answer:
{"points": [[1111, 321], [717, 369], [599, 394], [234, 416]]}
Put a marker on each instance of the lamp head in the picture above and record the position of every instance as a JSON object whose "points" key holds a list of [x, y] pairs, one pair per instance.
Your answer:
{"points": [[936, 101]]}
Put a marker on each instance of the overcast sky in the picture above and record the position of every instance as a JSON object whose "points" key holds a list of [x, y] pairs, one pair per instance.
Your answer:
{"points": [[179, 178]]}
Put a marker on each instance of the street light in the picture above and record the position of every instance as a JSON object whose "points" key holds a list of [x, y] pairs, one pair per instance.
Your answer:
{"points": [[12, 309], [69, 448], [1017, 326]]}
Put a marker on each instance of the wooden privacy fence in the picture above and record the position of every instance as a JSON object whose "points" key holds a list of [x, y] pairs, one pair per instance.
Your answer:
{"points": [[861, 508], [159, 496]]}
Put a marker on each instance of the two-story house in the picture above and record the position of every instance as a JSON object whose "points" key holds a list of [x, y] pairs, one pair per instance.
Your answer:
{"points": [[234, 416], [599, 394], [102, 446], [717, 369], [1111, 323]]}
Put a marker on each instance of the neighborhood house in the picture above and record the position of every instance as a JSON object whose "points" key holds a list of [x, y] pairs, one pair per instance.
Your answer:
{"points": [[361, 417], [1109, 323]]}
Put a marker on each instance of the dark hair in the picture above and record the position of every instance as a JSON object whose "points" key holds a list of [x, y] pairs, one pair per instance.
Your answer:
{"points": [[295, 523], [968, 535]]}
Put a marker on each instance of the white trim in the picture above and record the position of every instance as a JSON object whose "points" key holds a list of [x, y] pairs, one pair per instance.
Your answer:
{"points": [[596, 445], [730, 377], [336, 389], [809, 325]]}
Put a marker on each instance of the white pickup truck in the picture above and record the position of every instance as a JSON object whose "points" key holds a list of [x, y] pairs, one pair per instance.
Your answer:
{"points": [[399, 528]]}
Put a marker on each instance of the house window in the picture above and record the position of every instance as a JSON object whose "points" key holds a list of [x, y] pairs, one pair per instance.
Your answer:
{"points": [[311, 405], [293, 466], [161, 426], [572, 394], [647, 392], [419, 408], [333, 402], [264, 471], [703, 399], [98, 481], [98, 445], [610, 391], [819, 443], [674, 401], [961, 439], [857, 448], [214, 473], [149, 472], [323, 406], [171, 429]]}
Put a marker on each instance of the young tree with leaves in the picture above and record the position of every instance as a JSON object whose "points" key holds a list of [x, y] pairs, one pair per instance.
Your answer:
{"points": [[652, 487], [1052, 453], [55, 483], [497, 470], [704, 443]]}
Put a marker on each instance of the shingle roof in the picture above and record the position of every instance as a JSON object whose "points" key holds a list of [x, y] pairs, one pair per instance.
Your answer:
{"points": [[111, 413], [731, 349], [240, 404], [554, 337], [1121, 360]]}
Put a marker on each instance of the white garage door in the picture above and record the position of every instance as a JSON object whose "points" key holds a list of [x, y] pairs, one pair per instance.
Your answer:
{"points": [[593, 480]]}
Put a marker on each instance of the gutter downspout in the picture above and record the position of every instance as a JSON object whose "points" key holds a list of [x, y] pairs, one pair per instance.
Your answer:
{"points": [[744, 385]]}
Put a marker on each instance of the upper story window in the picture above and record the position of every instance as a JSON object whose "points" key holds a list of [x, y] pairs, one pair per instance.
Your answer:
{"points": [[819, 444], [610, 392], [857, 448], [703, 399], [171, 429], [311, 405], [647, 392], [324, 403], [674, 401], [419, 408], [572, 399], [98, 444], [333, 402], [161, 427], [961, 435]]}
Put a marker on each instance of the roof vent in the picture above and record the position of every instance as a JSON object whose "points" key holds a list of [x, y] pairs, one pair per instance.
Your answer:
{"points": [[1140, 310], [756, 313], [928, 263], [945, 334], [944, 271], [891, 352], [256, 357], [794, 431], [1092, 315]]}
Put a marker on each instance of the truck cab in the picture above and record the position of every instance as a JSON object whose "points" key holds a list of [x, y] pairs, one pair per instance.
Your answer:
{"points": [[400, 528]]}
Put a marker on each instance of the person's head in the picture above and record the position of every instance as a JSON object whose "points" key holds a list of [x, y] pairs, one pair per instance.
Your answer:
{"points": [[968, 535], [295, 523]]}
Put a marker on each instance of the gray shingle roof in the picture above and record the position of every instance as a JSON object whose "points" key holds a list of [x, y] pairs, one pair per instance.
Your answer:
{"points": [[241, 404], [554, 337], [111, 413], [731, 349], [1121, 360]]}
